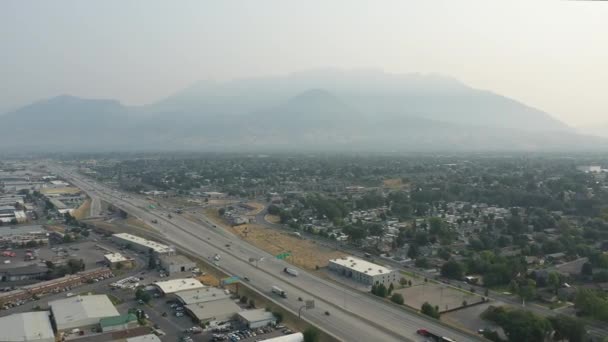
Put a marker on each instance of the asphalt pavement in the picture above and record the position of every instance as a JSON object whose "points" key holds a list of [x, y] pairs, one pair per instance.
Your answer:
{"points": [[353, 316]]}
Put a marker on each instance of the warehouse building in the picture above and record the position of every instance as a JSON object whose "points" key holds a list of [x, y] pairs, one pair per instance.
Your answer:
{"points": [[27, 326], [217, 310], [115, 259], [254, 319], [296, 337], [207, 294], [176, 285], [121, 322], [21, 235], [176, 263], [364, 271], [141, 244], [81, 312]]}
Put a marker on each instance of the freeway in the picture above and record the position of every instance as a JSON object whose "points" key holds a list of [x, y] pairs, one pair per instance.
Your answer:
{"points": [[354, 316]]}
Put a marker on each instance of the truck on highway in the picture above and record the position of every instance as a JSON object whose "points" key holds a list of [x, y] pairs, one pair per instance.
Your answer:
{"points": [[277, 290], [154, 221], [216, 257], [433, 336], [290, 271]]}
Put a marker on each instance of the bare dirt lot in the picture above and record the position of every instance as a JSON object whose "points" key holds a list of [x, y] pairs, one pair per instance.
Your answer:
{"points": [[305, 253], [82, 211], [444, 297], [272, 218]]}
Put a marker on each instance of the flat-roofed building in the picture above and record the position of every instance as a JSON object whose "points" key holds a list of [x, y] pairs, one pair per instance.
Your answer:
{"points": [[176, 263], [364, 271], [141, 244], [114, 259], [217, 310], [19, 235], [177, 285], [207, 294], [27, 326], [258, 318], [121, 322], [81, 312]]}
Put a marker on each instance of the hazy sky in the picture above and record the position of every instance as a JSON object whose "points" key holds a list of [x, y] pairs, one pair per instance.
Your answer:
{"points": [[549, 54]]}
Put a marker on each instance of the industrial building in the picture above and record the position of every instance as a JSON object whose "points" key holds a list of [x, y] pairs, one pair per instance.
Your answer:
{"points": [[177, 285], [30, 272], [296, 337], [81, 312], [115, 259], [258, 318], [27, 326], [217, 310], [20, 235], [364, 271], [121, 322], [203, 295], [141, 244], [176, 263]]}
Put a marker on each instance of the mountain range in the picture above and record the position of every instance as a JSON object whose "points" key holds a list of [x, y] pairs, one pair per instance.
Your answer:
{"points": [[318, 110]]}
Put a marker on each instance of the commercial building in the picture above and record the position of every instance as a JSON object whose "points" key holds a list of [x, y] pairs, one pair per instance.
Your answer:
{"points": [[141, 244], [20, 235], [297, 337], [30, 272], [177, 285], [217, 310], [176, 263], [364, 271], [207, 294], [115, 259], [81, 312], [258, 318], [121, 322], [27, 326]]}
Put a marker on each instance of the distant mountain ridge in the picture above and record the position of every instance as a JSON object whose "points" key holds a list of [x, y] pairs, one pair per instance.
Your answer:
{"points": [[331, 109]]}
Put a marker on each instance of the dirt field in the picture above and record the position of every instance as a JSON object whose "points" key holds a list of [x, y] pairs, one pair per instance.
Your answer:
{"points": [[444, 297], [66, 190], [82, 211], [393, 183], [272, 218], [305, 253], [258, 208]]}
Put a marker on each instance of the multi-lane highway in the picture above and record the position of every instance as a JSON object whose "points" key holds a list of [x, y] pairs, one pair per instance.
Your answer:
{"points": [[353, 316]]}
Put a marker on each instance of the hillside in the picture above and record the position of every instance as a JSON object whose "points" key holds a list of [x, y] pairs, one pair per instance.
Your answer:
{"points": [[330, 110]]}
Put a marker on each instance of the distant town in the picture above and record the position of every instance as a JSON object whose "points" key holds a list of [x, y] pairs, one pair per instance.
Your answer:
{"points": [[227, 248]]}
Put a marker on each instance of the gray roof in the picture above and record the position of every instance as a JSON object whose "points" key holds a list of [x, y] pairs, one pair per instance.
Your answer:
{"points": [[176, 259], [216, 308], [27, 326], [80, 310], [18, 230], [257, 315], [207, 294]]}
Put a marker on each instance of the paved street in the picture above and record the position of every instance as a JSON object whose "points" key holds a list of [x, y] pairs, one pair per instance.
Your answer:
{"points": [[353, 316]]}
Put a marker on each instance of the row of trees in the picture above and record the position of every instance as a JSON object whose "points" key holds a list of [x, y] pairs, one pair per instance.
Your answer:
{"points": [[523, 325]]}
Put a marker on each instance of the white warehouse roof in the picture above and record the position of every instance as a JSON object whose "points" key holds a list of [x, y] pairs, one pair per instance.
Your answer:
{"points": [[297, 337], [81, 311], [361, 266], [27, 326], [155, 246], [115, 257], [202, 295], [177, 285]]}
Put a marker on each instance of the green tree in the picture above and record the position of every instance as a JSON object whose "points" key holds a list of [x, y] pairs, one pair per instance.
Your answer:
{"points": [[587, 269], [453, 269], [397, 298], [553, 281], [568, 328], [429, 310], [141, 294], [311, 334], [391, 287]]}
